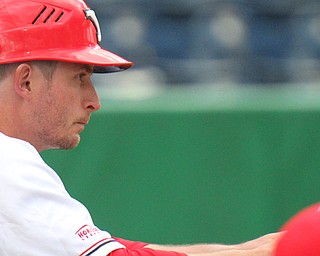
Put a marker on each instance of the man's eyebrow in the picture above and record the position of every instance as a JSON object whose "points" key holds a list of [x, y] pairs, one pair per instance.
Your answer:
{"points": [[88, 68]]}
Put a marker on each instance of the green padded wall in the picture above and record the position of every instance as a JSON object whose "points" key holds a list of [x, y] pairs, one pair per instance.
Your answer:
{"points": [[204, 165]]}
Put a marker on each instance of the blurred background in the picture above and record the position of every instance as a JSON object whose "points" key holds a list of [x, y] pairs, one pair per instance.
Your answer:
{"points": [[213, 135], [179, 42]]}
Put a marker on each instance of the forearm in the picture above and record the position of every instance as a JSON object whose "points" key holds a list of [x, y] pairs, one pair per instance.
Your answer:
{"points": [[262, 246], [193, 249], [187, 249], [230, 252]]}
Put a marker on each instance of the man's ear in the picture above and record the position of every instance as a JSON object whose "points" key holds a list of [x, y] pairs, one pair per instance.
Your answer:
{"points": [[22, 80]]}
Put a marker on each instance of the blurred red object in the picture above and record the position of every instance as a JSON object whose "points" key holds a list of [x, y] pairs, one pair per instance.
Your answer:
{"points": [[301, 235]]}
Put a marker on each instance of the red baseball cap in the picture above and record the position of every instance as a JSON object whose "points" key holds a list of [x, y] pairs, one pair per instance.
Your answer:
{"points": [[62, 30]]}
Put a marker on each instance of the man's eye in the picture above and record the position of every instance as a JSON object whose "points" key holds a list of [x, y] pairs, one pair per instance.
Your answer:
{"points": [[81, 76]]}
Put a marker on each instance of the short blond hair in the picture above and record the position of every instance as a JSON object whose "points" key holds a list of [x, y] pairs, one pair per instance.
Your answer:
{"points": [[47, 67]]}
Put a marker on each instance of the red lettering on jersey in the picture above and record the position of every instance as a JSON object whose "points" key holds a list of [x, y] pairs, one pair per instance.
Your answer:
{"points": [[87, 231]]}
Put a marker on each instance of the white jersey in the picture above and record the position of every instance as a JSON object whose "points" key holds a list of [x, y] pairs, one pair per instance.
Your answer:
{"points": [[37, 215]]}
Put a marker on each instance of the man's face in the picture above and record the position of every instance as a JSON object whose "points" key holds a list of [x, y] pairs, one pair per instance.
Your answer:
{"points": [[62, 106]]}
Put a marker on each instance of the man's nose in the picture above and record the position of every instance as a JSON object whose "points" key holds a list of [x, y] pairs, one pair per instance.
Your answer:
{"points": [[92, 101]]}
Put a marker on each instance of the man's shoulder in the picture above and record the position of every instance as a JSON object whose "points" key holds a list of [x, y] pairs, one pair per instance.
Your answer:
{"points": [[20, 161], [18, 156], [9, 145]]}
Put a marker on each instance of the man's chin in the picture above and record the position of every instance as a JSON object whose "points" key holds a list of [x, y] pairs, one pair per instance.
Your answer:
{"points": [[70, 142]]}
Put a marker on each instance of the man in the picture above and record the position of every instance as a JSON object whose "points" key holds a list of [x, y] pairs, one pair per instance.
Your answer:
{"points": [[49, 49]]}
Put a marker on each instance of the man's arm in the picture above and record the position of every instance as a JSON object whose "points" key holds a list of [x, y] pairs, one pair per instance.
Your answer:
{"points": [[267, 240], [262, 246]]}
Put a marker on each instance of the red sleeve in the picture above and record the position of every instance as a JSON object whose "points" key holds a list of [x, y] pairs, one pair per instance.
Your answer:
{"points": [[144, 252], [131, 245]]}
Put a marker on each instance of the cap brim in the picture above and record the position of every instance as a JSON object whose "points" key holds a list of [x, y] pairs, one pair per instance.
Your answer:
{"points": [[108, 69], [103, 61]]}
